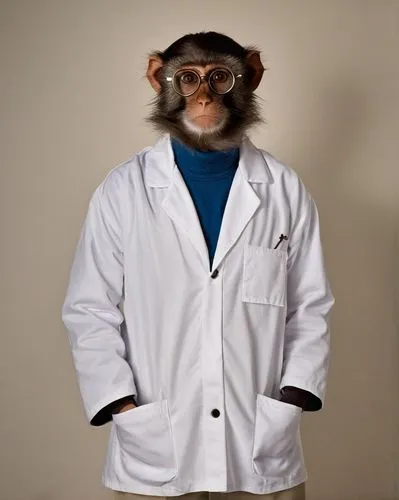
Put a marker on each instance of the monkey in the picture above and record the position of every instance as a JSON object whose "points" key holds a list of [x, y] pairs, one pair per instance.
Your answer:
{"points": [[195, 260], [206, 120]]}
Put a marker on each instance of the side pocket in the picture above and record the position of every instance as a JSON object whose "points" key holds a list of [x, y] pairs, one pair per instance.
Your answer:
{"points": [[264, 275], [145, 445], [276, 445]]}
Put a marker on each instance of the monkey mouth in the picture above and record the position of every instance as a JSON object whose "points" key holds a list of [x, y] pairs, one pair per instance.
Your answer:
{"points": [[207, 120], [214, 117], [201, 130]]}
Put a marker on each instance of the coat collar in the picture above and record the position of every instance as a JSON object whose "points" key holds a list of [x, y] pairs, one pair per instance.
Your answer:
{"points": [[159, 163], [243, 201]]}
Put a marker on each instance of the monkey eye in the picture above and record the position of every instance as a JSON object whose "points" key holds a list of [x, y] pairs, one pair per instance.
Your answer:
{"points": [[188, 77], [221, 80], [186, 82], [220, 76]]}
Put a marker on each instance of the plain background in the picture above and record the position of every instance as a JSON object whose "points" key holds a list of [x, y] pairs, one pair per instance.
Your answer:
{"points": [[73, 98]]}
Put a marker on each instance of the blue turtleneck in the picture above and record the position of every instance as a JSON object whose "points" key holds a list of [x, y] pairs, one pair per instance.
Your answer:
{"points": [[208, 176]]}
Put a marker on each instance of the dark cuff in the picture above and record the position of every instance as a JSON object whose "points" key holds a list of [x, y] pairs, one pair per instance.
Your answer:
{"points": [[105, 414], [299, 397]]}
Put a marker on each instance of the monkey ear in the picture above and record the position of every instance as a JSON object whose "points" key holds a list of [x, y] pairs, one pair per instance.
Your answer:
{"points": [[253, 61], [155, 64]]}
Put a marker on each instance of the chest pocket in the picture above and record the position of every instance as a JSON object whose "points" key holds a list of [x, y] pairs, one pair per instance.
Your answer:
{"points": [[264, 275]]}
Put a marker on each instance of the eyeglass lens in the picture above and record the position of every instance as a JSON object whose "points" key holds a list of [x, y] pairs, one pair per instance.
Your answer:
{"points": [[187, 81]]}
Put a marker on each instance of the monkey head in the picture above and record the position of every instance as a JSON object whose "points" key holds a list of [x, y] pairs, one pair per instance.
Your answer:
{"points": [[205, 85]]}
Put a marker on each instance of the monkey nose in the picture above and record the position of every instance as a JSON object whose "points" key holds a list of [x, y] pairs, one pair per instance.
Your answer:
{"points": [[204, 94], [204, 98]]}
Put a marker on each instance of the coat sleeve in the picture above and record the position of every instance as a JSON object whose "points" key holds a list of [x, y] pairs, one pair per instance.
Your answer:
{"points": [[90, 311], [309, 302]]}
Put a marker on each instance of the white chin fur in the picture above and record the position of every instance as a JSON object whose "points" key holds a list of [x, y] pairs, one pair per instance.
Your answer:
{"points": [[195, 129]]}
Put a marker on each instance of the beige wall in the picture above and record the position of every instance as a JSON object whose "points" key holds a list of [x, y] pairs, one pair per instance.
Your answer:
{"points": [[73, 99]]}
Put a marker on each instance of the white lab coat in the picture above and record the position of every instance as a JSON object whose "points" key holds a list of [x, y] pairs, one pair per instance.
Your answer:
{"points": [[188, 344]]}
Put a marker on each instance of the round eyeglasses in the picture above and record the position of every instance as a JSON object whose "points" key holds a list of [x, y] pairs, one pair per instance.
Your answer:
{"points": [[187, 81]]}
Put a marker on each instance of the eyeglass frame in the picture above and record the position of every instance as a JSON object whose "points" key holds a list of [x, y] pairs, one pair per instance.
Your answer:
{"points": [[202, 78]]}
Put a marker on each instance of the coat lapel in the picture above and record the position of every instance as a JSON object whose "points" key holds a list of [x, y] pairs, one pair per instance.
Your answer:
{"points": [[243, 200], [180, 207], [161, 172]]}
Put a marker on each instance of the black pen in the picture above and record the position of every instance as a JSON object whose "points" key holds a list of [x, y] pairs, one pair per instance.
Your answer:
{"points": [[282, 237]]}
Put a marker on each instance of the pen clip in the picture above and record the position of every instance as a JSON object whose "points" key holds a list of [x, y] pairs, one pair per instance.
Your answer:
{"points": [[281, 238]]}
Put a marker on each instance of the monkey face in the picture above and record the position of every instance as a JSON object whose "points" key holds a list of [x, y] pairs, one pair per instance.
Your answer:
{"points": [[205, 119]]}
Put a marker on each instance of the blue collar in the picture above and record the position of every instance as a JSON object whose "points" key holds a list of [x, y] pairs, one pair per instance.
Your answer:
{"points": [[205, 165]]}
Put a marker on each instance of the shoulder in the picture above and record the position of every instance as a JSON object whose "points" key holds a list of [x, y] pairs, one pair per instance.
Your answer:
{"points": [[286, 181], [122, 176], [280, 171], [291, 192]]}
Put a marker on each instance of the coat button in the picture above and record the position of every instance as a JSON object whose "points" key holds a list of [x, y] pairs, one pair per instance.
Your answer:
{"points": [[215, 413], [214, 274]]}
